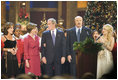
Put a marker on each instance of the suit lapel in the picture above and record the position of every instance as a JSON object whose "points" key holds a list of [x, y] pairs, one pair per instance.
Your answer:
{"points": [[74, 34], [57, 36], [82, 32], [50, 37]]}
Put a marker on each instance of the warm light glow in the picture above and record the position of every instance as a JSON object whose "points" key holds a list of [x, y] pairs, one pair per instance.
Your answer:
{"points": [[23, 3], [60, 21], [82, 4]]}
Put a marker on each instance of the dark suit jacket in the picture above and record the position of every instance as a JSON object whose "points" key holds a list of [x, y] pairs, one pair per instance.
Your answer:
{"points": [[51, 52], [71, 38]]}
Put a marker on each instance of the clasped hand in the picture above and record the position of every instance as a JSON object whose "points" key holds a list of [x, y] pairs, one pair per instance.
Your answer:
{"points": [[13, 51]]}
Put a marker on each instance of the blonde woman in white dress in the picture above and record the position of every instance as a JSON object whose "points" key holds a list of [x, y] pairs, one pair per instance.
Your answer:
{"points": [[105, 59]]}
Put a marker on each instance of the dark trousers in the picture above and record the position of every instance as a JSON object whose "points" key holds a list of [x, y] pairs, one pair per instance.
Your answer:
{"points": [[66, 68], [73, 69], [3, 71], [53, 69]]}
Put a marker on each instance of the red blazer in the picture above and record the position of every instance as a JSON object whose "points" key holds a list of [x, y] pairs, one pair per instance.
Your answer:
{"points": [[20, 51], [31, 47]]}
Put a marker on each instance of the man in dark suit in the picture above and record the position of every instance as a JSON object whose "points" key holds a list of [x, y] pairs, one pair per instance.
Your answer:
{"points": [[77, 33], [53, 49]]}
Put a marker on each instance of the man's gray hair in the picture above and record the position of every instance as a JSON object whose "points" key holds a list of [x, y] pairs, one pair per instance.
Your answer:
{"points": [[78, 17], [53, 20]]}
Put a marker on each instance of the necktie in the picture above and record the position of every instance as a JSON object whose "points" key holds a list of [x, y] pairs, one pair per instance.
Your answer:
{"points": [[53, 37], [78, 35]]}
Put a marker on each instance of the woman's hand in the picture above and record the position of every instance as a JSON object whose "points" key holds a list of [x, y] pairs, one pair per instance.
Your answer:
{"points": [[27, 64], [101, 40], [15, 49], [12, 51], [19, 65]]}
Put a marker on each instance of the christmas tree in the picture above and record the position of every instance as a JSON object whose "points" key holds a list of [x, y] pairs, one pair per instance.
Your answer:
{"points": [[99, 13]]}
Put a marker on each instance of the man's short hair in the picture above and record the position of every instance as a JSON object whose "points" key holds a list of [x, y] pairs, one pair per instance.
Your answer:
{"points": [[53, 20], [78, 17]]}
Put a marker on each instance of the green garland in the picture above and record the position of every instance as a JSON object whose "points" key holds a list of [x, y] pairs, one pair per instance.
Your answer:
{"points": [[87, 46], [23, 21]]}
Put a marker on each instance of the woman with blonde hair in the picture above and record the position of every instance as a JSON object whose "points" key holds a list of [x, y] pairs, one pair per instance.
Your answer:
{"points": [[105, 59]]}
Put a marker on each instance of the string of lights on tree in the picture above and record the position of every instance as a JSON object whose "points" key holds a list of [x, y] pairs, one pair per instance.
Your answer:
{"points": [[99, 13]]}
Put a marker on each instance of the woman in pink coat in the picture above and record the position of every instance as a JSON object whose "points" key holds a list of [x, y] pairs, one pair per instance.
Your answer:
{"points": [[32, 51]]}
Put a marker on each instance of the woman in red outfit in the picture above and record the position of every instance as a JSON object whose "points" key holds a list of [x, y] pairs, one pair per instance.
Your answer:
{"points": [[20, 48], [32, 51], [2, 60], [2, 46]]}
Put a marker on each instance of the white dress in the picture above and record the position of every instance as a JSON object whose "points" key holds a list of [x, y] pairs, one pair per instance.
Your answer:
{"points": [[104, 62]]}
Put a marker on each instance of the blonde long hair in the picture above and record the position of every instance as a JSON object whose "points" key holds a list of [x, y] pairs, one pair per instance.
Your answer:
{"points": [[109, 28]]}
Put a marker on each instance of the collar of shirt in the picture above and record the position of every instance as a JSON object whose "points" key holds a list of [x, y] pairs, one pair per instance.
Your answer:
{"points": [[23, 36], [54, 31], [77, 29], [20, 37], [17, 38]]}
